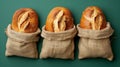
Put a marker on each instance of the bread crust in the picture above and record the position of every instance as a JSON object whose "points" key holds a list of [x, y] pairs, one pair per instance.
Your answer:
{"points": [[25, 20], [68, 19], [93, 18]]}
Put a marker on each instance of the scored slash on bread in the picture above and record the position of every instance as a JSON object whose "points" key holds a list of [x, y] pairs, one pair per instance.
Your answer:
{"points": [[93, 18], [25, 20], [21, 21], [59, 19], [58, 24]]}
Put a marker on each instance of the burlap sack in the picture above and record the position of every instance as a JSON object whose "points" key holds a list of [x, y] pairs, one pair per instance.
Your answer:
{"points": [[58, 45], [95, 43], [21, 44]]}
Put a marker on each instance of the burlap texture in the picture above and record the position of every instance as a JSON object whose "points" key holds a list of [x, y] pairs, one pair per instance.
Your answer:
{"points": [[95, 43], [21, 44], [58, 45]]}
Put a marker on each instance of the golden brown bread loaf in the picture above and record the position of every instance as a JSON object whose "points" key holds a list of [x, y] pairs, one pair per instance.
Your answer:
{"points": [[59, 19], [93, 18], [25, 20]]}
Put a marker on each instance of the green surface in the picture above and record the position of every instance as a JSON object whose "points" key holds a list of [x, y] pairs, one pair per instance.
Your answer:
{"points": [[111, 9]]}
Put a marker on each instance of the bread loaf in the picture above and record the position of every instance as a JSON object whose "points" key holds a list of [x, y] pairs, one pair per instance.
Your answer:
{"points": [[25, 20], [93, 18], [59, 19]]}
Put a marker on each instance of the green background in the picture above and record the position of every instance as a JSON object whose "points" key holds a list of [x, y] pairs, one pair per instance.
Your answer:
{"points": [[111, 9]]}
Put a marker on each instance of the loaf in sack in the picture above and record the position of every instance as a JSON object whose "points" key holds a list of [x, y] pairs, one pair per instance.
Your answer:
{"points": [[94, 33], [23, 34], [58, 34]]}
